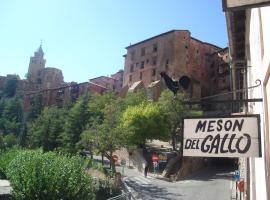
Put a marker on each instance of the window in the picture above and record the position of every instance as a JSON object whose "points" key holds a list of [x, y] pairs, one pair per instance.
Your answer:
{"points": [[147, 61], [39, 81], [212, 74], [131, 68], [132, 54], [153, 72], [142, 64], [167, 64], [154, 61], [140, 75], [155, 47], [130, 78], [142, 51]]}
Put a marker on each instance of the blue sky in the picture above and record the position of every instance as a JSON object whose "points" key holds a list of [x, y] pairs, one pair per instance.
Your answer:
{"points": [[87, 38]]}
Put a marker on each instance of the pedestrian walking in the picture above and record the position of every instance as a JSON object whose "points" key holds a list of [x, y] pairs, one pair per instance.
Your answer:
{"points": [[146, 168]]}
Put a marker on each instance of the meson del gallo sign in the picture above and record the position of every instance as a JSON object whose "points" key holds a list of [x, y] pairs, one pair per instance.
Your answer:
{"points": [[233, 136]]}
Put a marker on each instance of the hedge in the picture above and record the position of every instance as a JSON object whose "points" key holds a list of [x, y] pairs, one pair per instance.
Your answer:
{"points": [[42, 176]]}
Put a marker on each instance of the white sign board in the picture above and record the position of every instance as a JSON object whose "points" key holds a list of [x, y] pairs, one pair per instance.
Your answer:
{"points": [[233, 136]]}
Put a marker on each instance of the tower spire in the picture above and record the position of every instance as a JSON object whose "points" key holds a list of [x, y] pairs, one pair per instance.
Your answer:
{"points": [[40, 50]]}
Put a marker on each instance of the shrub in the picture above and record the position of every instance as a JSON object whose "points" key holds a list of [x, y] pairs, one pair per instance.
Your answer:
{"points": [[90, 163], [5, 158], [34, 175], [106, 189]]}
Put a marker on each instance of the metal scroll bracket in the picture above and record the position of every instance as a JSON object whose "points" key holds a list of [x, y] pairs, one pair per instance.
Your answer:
{"points": [[205, 100]]}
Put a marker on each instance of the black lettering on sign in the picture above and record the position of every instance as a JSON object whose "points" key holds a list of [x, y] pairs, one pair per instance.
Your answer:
{"points": [[230, 144], [193, 146], [210, 126], [222, 150], [215, 144], [188, 143], [238, 125], [219, 125], [201, 126], [247, 145], [197, 145], [228, 125], [203, 149]]}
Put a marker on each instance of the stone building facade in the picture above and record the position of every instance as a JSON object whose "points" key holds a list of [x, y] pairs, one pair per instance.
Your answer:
{"points": [[220, 81], [41, 77], [114, 82], [175, 52], [60, 96]]}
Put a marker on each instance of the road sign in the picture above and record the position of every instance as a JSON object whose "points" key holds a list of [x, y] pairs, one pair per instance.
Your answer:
{"points": [[154, 157], [123, 162], [241, 186], [162, 158], [236, 175], [115, 158]]}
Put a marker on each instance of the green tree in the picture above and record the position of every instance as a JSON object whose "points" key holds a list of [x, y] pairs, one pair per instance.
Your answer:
{"points": [[10, 87], [104, 135], [1, 142], [144, 121], [134, 98], [175, 111], [97, 105], [76, 123], [109, 135], [36, 108], [11, 116], [10, 140], [46, 131]]}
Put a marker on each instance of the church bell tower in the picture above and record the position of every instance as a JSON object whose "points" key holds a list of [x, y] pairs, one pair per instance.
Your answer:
{"points": [[36, 65]]}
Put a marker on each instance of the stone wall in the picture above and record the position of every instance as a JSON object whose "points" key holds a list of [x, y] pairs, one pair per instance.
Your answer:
{"points": [[51, 78], [108, 82]]}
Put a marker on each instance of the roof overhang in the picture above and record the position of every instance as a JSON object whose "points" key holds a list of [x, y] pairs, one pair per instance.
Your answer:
{"points": [[243, 4], [236, 26]]}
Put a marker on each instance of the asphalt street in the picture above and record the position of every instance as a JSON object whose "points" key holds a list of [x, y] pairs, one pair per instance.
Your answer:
{"points": [[213, 183]]}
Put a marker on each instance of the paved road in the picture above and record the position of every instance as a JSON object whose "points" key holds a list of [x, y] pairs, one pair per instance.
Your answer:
{"points": [[209, 184]]}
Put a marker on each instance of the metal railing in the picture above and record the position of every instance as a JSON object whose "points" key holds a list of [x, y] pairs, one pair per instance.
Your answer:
{"points": [[124, 196]]}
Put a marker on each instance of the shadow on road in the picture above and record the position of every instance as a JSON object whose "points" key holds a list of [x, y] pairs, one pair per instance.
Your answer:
{"points": [[155, 192], [212, 172]]}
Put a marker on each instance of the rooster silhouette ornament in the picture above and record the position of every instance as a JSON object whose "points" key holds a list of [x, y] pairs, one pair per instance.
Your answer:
{"points": [[175, 86]]}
